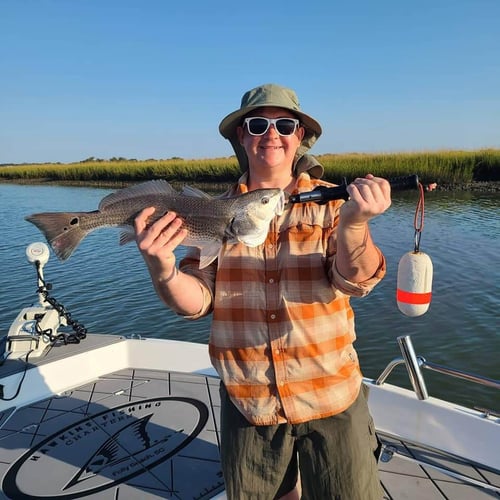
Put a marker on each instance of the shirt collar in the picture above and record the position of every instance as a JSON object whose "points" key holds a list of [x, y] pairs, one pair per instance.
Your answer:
{"points": [[303, 183]]}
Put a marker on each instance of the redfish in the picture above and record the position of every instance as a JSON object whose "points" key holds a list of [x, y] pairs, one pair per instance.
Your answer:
{"points": [[210, 221]]}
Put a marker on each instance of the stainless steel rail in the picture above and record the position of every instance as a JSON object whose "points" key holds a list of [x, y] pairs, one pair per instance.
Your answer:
{"points": [[414, 364], [461, 374]]}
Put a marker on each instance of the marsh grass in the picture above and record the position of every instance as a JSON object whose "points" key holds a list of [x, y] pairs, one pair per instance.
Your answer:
{"points": [[444, 167]]}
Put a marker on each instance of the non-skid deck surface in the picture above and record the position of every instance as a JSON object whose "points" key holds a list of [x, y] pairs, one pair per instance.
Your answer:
{"points": [[412, 473], [141, 434], [127, 436]]}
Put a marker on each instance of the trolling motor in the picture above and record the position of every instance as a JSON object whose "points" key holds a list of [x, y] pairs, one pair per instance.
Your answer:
{"points": [[37, 327], [25, 333]]}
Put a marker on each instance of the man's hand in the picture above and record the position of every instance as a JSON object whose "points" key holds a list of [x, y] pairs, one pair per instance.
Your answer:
{"points": [[368, 197], [158, 241]]}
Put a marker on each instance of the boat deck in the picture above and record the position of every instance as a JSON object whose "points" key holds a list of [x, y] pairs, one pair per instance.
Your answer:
{"points": [[413, 473], [132, 434], [153, 434]]}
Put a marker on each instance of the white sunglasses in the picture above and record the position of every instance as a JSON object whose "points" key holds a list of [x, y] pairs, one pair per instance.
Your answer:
{"points": [[259, 125]]}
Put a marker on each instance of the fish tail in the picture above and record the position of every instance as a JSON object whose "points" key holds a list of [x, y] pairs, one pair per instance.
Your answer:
{"points": [[62, 230]]}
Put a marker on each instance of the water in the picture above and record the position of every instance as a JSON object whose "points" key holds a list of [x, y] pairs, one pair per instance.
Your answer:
{"points": [[107, 287]]}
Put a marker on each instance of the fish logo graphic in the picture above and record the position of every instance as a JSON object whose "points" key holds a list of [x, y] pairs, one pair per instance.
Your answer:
{"points": [[107, 449]]}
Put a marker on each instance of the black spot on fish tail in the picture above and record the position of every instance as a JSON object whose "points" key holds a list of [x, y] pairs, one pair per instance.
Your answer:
{"points": [[62, 231]]}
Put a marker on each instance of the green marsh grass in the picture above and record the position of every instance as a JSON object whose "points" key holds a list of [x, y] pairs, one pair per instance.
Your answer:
{"points": [[444, 167]]}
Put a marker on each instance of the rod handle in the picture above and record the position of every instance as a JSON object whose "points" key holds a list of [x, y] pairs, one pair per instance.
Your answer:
{"points": [[323, 194], [404, 182]]}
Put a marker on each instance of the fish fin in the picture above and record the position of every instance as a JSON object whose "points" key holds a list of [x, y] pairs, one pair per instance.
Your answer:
{"points": [[127, 235], [209, 252], [154, 187], [61, 229], [195, 192]]}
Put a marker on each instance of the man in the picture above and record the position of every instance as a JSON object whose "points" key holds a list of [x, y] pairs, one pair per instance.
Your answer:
{"points": [[283, 330]]}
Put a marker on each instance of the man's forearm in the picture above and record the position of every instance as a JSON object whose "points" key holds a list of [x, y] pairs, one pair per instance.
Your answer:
{"points": [[180, 291], [358, 258]]}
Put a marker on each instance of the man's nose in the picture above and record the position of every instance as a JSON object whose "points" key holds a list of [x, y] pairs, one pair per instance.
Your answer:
{"points": [[272, 130]]}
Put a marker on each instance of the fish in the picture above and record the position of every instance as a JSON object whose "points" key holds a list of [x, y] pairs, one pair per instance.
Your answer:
{"points": [[210, 221]]}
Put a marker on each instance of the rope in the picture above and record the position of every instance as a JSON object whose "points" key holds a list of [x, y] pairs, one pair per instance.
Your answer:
{"points": [[418, 220]]}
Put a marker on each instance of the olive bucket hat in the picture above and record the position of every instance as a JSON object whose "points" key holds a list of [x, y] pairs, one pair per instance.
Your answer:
{"points": [[277, 96]]}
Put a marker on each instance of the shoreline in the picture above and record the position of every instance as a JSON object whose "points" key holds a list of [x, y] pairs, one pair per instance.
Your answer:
{"points": [[478, 186]]}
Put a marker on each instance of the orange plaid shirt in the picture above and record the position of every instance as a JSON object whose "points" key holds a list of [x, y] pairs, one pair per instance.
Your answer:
{"points": [[283, 330]]}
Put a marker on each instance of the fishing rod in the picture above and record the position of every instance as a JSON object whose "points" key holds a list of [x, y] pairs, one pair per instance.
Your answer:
{"points": [[323, 194]]}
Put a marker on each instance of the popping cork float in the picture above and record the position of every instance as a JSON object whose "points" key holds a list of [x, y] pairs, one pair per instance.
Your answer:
{"points": [[414, 285]]}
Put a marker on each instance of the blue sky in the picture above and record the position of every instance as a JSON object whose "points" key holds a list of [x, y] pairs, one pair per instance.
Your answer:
{"points": [[153, 78]]}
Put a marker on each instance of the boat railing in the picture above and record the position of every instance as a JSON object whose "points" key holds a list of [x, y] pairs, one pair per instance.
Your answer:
{"points": [[414, 365]]}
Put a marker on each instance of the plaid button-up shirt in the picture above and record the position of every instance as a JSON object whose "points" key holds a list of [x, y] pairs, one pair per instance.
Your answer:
{"points": [[283, 330]]}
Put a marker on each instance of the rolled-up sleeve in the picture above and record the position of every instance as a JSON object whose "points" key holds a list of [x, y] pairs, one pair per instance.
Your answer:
{"points": [[357, 289], [206, 279]]}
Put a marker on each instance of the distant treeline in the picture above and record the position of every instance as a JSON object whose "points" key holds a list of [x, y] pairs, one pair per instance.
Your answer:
{"points": [[447, 168]]}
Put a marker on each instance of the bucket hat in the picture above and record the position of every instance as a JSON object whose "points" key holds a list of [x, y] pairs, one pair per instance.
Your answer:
{"points": [[277, 96]]}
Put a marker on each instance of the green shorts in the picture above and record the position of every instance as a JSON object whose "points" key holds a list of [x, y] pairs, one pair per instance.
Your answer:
{"points": [[336, 455]]}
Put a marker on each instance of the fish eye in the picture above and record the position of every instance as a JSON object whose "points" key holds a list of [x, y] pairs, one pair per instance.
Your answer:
{"points": [[265, 200]]}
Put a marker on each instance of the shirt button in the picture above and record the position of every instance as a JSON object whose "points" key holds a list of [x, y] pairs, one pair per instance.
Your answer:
{"points": [[271, 280], [278, 351], [270, 246], [273, 316], [282, 383]]}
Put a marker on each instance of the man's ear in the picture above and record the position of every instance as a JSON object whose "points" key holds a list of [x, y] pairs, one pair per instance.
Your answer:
{"points": [[239, 133]]}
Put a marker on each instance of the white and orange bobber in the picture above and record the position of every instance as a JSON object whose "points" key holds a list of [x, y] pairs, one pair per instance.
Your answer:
{"points": [[414, 287]]}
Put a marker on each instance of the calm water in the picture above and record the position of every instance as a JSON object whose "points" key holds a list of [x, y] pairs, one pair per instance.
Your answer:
{"points": [[107, 288]]}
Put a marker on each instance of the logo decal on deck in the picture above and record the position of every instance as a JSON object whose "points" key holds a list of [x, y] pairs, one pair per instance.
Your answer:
{"points": [[106, 449]]}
